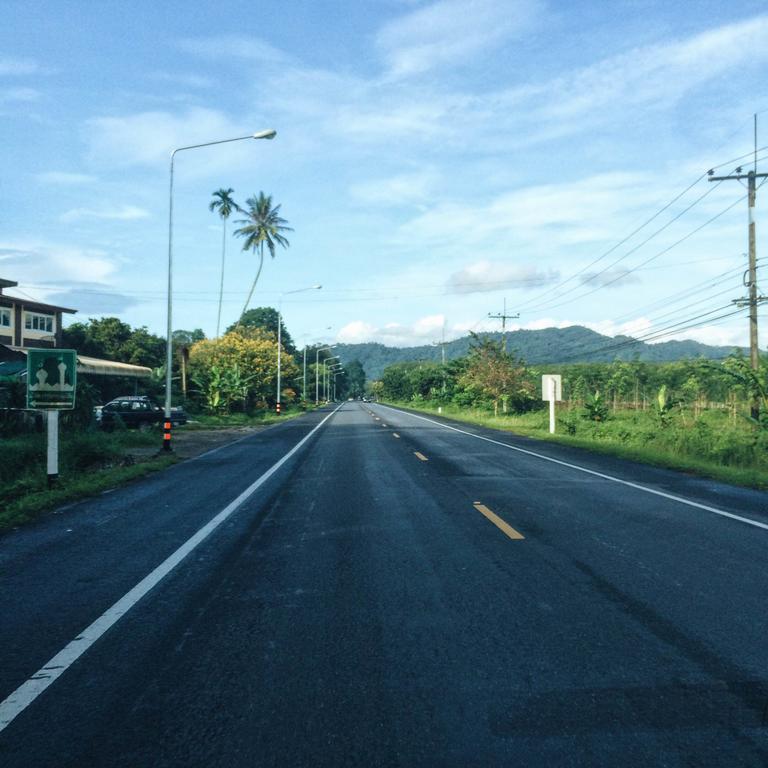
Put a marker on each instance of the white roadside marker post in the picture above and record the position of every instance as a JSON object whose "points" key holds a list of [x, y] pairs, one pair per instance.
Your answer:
{"points": [[52, 417], [552, 390]]}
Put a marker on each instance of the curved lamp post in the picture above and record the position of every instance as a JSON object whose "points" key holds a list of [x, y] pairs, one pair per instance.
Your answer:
{"points": [[279, 333], [317, 369], [268, 134], [326, 371]]}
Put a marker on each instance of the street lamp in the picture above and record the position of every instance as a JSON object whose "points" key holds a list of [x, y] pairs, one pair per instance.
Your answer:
{"points": [[279, 331], [335, 374], [267, 134], [326, 368], [317, 369]]}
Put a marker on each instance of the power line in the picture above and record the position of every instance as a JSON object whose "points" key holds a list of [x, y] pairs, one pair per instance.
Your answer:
{"points": [[647, 261], [640, 228]]}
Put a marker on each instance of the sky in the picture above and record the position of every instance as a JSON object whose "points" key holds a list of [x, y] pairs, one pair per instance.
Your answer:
{"points": [[437, 161]]}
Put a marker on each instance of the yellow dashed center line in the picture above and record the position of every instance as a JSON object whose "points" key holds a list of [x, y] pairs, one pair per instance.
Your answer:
{"points": [[498, 522], [420, 456], [394, 434]]}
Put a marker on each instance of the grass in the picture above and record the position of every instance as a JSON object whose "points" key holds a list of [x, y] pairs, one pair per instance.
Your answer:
{"points": [[711, 446], [89, 463], [257, 419]]}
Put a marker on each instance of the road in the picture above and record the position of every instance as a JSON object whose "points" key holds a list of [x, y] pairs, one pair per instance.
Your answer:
{"points": [[398, 591]]}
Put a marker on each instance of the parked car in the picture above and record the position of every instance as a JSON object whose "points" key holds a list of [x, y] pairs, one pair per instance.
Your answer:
{"points": [[136, 411]]}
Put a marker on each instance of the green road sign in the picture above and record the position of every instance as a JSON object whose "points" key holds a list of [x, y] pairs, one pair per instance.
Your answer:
{"points": [[51, 379]]}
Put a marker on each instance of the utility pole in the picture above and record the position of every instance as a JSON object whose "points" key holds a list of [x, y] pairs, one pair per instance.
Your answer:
{"points": [[753, 300], [504, 317], [442, 348]]}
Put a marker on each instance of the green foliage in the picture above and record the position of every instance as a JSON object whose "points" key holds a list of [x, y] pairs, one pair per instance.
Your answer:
{"points": [[549, 346], [266, 319], [595, 408], [262, 226], [240, 370], [665, 405], [111, 339], [354, 379], [187, 338], [491, 373]]}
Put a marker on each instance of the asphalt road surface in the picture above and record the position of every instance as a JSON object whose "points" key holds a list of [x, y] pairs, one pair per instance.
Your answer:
{"points": [[368, 587]]}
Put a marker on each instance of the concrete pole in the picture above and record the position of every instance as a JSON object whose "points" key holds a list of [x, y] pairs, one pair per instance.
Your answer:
{"points": [[754, 353], [52, 417]]}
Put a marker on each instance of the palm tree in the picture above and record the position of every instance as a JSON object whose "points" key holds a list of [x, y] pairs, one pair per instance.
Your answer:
{"points": [[224, 204], [262, 227]]}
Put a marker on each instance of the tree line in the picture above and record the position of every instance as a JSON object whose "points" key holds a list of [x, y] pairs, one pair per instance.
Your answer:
{"points": [[235, 372], [491, 378]]}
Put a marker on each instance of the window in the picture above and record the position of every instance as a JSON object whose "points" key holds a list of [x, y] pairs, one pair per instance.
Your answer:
{"points": [[36, 322], [5, 317]]}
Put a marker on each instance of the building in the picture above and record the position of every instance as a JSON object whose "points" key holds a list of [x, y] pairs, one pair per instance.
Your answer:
{"points": [[27, 323]]}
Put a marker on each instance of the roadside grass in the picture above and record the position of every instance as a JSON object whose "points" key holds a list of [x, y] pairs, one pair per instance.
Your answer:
{"points": [[93, 461], [256, 419], [713, 445], [89, 463]]}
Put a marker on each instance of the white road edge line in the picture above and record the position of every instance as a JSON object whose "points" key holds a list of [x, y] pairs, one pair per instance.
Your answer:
{"points": [[28, 691], [628, 483]]}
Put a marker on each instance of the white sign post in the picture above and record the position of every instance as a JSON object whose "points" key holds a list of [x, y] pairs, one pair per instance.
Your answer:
{"points": [[552, 390]]}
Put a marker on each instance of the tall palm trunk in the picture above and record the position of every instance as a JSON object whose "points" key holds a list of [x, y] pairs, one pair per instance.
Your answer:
{"points": [[255, 279], [221, 284]]}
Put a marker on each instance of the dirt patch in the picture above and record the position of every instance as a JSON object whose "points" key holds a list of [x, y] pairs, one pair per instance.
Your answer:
{"points": [[188, 444]]}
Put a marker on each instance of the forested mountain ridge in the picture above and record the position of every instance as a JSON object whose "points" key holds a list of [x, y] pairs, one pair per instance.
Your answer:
{"points": [[574, 344]]}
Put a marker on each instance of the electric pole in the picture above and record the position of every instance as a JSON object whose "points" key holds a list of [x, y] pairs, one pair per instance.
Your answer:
{"points": [[442, 347], [753, 300], [503, 317]]}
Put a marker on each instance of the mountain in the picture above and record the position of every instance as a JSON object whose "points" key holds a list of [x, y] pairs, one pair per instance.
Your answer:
{"points": [[574, 344]]}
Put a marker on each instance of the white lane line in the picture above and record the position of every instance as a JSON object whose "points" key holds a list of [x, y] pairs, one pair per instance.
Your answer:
{"points": [[628, 483], [28, 691]]}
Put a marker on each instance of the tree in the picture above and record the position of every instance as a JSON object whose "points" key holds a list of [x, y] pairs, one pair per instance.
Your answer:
{"points": [[225, 205], [354, 379], [188, 337], [493, 373], [238, 367], [263, 226], [112, 339], [182, 341], [266, 319]]}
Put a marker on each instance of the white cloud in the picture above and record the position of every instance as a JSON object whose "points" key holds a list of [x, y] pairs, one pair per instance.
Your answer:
{"points": [[10, 66], [450, 32], [377, 110], [18, 94], [64, 178], [584, 211], [657, 74], [404, 189], [186, 80], [493, 276], [233, 47], [720, 336], [148, 138], [124, 213], [424, 331], [41, 263]]}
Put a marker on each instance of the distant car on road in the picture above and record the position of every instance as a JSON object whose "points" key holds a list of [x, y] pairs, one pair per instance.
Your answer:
{"points": [[136, 411]]}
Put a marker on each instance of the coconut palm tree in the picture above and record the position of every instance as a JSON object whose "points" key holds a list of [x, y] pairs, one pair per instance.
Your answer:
{"points": [[225, 205], [263, 226]]}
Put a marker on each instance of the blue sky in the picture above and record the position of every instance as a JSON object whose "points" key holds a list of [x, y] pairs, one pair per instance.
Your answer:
{"points": [[434, 159]]}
